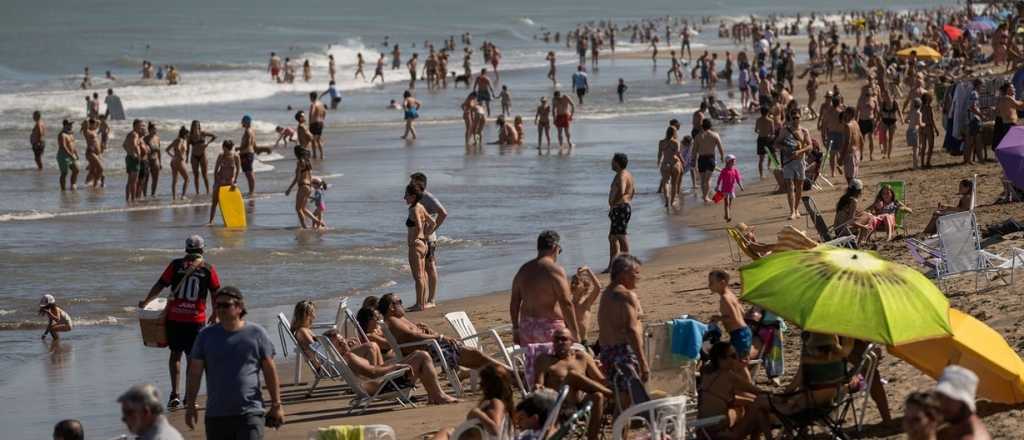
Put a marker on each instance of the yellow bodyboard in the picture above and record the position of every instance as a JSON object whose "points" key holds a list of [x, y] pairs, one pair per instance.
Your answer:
{"points": [[232, 208]]}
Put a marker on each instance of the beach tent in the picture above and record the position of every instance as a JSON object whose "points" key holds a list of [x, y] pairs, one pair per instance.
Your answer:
{"points": [[953, 32], [923, 53], [974, 346]]}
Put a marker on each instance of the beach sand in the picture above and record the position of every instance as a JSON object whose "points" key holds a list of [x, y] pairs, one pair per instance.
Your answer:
{"points": [[673, 282]]}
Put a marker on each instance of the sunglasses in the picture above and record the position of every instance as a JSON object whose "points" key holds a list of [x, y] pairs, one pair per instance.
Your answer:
{"points": [[224, 305], [562, 338]]}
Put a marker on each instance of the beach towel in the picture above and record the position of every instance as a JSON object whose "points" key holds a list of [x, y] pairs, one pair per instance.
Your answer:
{"points": [[687, 337], [958, 111], [340, 432], [771, 354]]}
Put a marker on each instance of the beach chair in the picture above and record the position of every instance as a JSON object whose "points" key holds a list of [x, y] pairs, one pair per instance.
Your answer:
{"points": [[555, 411], [839, 236], [388, 389], [899, 189], [321, 370], [961, 253], [462, 325], [741, 244], [474, 425], [432, 348], [338, 317], [856, 403], [576, 425], [665, 419]]}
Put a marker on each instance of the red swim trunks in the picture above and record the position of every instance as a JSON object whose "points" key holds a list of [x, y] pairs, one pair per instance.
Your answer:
{"points": [[562, 120]]}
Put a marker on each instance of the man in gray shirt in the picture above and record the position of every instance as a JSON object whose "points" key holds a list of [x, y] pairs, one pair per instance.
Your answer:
{"points": [[232, 354], [436, 210]]}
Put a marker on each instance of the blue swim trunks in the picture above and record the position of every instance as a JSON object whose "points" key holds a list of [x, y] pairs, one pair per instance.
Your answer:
{"points": [[742, 339]]}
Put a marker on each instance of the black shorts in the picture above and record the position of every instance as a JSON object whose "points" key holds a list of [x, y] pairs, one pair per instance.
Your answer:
{"points": [[581, 92], [619, 215], [182, 335], [316, 128], [705, 163], [764, 145], [39, 147], [247, 159], [866, 126]]}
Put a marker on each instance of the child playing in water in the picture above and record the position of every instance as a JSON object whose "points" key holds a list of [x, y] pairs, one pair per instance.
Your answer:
{"points": [[59, 320], [621, 89], [728, 179], [506, 101], [520, 130], [317, 199], [284, 134]]}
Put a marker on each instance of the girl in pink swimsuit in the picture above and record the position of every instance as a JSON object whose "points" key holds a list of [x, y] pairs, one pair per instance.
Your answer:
{"points": [[728, 179]]}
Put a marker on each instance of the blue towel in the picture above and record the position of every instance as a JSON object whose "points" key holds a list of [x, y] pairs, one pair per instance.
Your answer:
{"points": [[687, 337]]}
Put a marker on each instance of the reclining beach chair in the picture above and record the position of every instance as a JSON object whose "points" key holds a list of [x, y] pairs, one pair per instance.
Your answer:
{"points": [[338, 321], [742, 246], [665, 419], [961, 253], [468, 335], [839, 236], [388, 389], [432, 347], [321, 370]]}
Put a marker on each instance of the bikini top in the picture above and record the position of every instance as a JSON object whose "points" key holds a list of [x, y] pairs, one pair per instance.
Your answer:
{"points": [[409, 223]]}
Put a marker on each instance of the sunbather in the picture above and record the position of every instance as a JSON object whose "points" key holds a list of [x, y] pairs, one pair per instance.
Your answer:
{"points": [[963, 204], [850, 219], [369, 321], [821, 376], [759, 248], [565, 366], [497, 401], [885, 208], [725, 389]]}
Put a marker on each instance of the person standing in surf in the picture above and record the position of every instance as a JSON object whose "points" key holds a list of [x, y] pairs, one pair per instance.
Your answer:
{"points": [[317, 114], [225, 173], [411, 108], [133, 147], [620, 198], [67, 155], [378, 72], [178, 151], [197, 142], [563, 110], [38, 138], [247, 152], [151, 160]]}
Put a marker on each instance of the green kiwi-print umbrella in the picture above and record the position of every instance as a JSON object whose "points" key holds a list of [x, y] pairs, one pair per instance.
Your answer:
{"points": [[847, 292]]}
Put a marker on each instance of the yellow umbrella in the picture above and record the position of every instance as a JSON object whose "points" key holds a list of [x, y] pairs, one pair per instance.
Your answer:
{"points": [[923, 53], [977, 347]]}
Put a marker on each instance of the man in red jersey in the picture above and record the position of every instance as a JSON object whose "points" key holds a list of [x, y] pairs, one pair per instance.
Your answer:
{"points": [[190, 279]]}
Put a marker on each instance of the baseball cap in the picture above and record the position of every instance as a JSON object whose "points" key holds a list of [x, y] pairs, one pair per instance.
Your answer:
{"points": [[729, 157], [47, 300], [958, 383], [246, 119], [194, 243]]}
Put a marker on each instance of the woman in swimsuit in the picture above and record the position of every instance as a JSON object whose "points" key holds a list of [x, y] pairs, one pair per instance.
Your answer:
{"points": [[497, 402], [152, 159], [885, 208], [670, 162], [197, 142], [419, 225], [726, 389], [225, 173], [411, 107], [94, 171], [890, 114], [369, 319], [468, 106], [178, 151], [143, 170], [58, 320], [303, 178]]}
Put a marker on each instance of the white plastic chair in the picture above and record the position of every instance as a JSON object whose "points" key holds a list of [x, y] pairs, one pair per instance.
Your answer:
{"points": [[665, 418], [462, 325], [320, 369], [552, 419], [363, 398], [474, 425], [433, 348], [342, 305]]}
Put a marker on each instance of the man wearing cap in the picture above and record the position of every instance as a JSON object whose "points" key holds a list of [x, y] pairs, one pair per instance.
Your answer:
{"points": [[956, 391], [247, 152], [190, 279]]}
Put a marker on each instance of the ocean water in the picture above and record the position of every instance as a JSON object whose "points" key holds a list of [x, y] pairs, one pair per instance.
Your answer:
{"points": [[100, 257]]}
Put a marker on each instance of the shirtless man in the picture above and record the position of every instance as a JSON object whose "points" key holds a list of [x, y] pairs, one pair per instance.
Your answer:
{"points": [[698, 119], [225, 173], [620, 197], [396, 58], [675, 71], [731, 314], [853, 146], [563, 111], [484, 90], [1006, 112], [551, 69], [565, 366], [247, 152], [132, 146], [705, 144], [412, 66], [765, 129], [38, 138], [274, 67], [543, 122], [405, 331], [317, 114], [67, 155], [621, 332], [331, 69], [867, 115], [378, 72], [541, 301], [831, 130]]}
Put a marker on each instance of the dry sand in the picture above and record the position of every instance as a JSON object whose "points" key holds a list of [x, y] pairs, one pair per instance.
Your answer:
{"points": [[674, 283]]}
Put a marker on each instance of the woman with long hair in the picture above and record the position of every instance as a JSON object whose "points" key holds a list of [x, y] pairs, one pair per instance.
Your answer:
{"points": [[419, 225], [178, 151], [197, 142], [497, 402]]}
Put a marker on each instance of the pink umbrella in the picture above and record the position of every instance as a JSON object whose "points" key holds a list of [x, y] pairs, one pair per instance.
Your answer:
{"points": [[1010, 154]]}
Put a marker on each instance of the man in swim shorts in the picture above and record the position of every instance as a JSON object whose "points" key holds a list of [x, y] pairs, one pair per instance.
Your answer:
{"points": [[620, 198], [580, 83], [731, 314], [484, 90], [132, 146], [563, 109], [541, 301], [455, 354], [38, 138], [247, 152], [706, 143], [67, 155], [620, 340], [274, 67], [317, 115]]}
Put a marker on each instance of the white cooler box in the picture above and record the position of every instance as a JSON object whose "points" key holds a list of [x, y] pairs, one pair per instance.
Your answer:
{"points": [[151, 320]]}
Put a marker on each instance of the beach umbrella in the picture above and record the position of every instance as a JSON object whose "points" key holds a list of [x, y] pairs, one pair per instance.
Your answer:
{"points": [[847, 292], [954, 33], [923, 53], [1010, 153], [982, 24], [974, 346]]}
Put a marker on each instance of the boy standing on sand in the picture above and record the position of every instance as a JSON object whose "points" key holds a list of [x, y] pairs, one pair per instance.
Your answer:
{"points": [[38, 138], [731, 314]]}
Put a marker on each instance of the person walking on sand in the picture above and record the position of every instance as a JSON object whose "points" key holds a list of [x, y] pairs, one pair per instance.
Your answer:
{"points": [[436, 211], [564, 109], [410, 112], [143, 414], [792, 142], [225, 173], [620, 198], [867, 114], [705, 144], [852, 150], [232, 354], [67, 156], [38, 138], [247, 153], [191, 279], [541, 301], [543, 122], [58, 320], [178, 152], [728, 179], [765, 129], [622, 355], [484, 90], [317, 115], [580, 83], [197, 141]]}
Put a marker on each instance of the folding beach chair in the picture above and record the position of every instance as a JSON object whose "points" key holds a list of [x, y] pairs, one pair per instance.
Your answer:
{"points": [[855, 403], [839, 236], [899, 190], [555, 411], [462, 325], [434, 349], [321, 370], [388, 389], [742, 246], [961, 252], [665, 418]]}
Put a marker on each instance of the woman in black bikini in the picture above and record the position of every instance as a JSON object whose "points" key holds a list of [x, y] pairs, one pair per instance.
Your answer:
{"points": [[890, 114], [304, 179], [151, 160], [419, 225], [197, 142]]}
